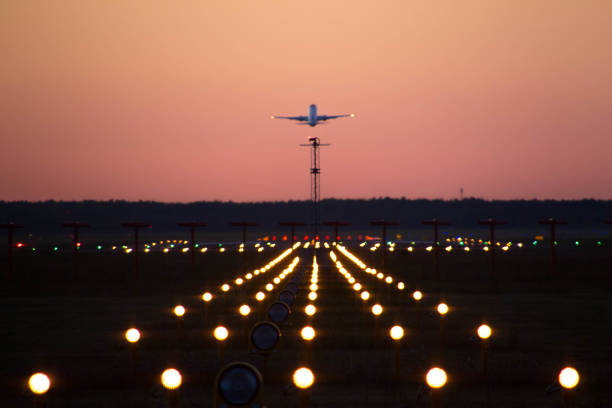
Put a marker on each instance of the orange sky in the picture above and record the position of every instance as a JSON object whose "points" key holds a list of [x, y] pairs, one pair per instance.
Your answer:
{"points": [[171, 100]]}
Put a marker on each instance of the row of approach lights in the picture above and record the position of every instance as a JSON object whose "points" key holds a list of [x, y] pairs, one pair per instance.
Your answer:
{"points": [[239, 281], [303, 377], [308, 333], [372, 271]]}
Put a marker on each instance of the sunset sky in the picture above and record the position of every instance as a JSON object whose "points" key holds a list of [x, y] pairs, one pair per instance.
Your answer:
{"points": [[171, 100]]}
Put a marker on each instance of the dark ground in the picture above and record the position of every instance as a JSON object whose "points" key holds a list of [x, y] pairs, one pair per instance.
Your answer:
{"points": [[73, 330]]}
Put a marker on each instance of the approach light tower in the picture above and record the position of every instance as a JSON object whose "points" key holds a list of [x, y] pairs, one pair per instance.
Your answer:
{"points": [[315, 184]]}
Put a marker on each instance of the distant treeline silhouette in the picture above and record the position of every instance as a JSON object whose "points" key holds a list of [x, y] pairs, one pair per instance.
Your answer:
{"points": [[108, 215]]}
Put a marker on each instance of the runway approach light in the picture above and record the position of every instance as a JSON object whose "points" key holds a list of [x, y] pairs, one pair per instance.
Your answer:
{"points": [[220, 333], [436, 377], [417, 295], [377, 309], [442, 308], [484, 331], [310, 310], [207, 297], [244, 310], [312, 296], [179, 311], [365, 295], [39, 383], [569, 378], [132, 335], [260, 296], [303, 377], [308, 333], [396, 332], [171, 379], [225, 287]]}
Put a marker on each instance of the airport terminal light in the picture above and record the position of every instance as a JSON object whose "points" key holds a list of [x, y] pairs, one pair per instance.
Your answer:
{"points": [[396, 332], [207, 297], [220, 333], [442, 308], [260, 296], [484, 331], [132, 335], [179, 311], [244, 310], [39, 383], [377, 309], [171, 379], [569, 378], [310, 310], [308, 333], [303, 377], [417, 295], [436, 377]]}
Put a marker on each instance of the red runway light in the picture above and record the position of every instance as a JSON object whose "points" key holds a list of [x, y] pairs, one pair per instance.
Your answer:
{"points": [[19, 245]]}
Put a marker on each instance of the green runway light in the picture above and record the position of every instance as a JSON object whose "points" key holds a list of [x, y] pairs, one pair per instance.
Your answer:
{"points": [[599, 243], [197, 245], [55, 248], [99, 247], [577, 243], [33, 249], [535, 242]]}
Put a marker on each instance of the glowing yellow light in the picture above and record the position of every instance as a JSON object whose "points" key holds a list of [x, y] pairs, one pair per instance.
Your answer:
{"points": [[377, 309], [352, 115], [357, 287], [179, 310], [207, 296], [417, 295], [449, 248], [429, 248], [39, 383], [269, 287], [310, 310], [308, 333], [312, 296], [260, 296], [569, 378], [365, 295], [313, 287], [505, 248], [396, 332], [400, 285], [132, 335], [466, 249], [239, 281], [436, 377], [351, 280], [303, 377], [276, 280], [380, 275], [220, 333], [244, 310], [171, 379], [442, 308], [484, 331], [409, 249], [389, 279], [225, 287], [485, 248]]}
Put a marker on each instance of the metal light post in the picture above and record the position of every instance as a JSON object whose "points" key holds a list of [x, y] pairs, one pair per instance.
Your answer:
{"points": [[553, 255], [492, 223], [10, 227], [136, 226], [436, 223], [336, 224], [75, 244], [292, 225], [192, 225], [384, 224], [244, 225]]}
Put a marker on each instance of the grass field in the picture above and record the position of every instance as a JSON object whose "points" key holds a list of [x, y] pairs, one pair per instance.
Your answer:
{"points": [[74, 330]]}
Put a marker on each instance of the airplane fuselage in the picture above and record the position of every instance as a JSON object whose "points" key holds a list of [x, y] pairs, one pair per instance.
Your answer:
{"points": [[312, 115]]}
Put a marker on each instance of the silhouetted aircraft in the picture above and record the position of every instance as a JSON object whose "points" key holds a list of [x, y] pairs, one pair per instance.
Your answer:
{"points": [[312, 119]]}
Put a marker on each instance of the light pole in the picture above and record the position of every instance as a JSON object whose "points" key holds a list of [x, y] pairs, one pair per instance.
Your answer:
{"points": [[436, 223], [336, 224], [384, 224], [192, 225], [491, 223], [75, 244], [292, 225], [244, 225], [136, 226], [10, 227], [553, 256]]}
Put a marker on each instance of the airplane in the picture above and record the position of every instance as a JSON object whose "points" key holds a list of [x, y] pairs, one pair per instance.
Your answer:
{"points": [[312, 119]]}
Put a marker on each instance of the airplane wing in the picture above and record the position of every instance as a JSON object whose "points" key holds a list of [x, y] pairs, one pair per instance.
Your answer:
{"points": [[325, 117], [300, 118]]}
